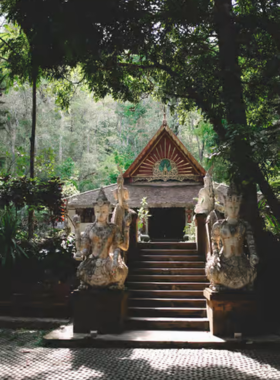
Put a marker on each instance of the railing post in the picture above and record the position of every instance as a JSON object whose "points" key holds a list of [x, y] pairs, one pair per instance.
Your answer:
{"points": [[132, 250], [201, 234]]}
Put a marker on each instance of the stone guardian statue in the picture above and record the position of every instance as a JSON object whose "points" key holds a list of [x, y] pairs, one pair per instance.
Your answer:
{"points": [[206, 197], [99, 249], [228, 267]]}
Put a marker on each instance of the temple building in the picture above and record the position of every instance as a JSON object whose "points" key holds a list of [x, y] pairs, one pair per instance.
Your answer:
{"points": [[167, 175]]}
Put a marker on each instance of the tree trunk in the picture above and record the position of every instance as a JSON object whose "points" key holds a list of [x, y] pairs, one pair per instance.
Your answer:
{"points": [[241, 152], [235, 109], [32, 147], [202, 151], [60, 153], [33, 129], [230, 70], [13, 147]]}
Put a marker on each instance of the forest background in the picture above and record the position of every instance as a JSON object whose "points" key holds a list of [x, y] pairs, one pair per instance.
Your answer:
{"points": [[244, 112], [84, 144]]}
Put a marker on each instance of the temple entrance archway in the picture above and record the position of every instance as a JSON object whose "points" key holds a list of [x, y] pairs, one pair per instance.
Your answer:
{"points": [[166, 223]]}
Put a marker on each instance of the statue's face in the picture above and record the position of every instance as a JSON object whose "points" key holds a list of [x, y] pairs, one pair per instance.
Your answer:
{"points": [[232, 209], [101, 213]]}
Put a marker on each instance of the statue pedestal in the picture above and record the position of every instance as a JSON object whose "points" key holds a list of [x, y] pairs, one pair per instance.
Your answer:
{"points": [[101, 310], [232, 312]]}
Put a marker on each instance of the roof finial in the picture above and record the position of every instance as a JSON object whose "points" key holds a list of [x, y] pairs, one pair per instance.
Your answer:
{"points": [[164, 116]]}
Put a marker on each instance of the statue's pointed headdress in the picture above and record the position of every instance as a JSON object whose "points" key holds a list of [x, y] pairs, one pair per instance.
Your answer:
{"points": [[233, 195], [101, 199]]}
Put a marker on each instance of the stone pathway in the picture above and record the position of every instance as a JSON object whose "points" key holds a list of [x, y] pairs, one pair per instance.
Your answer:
{"points": [[22, 358]]}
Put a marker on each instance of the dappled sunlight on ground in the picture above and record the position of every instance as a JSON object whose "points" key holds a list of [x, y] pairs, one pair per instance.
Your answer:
{"points": [[22, 358]]}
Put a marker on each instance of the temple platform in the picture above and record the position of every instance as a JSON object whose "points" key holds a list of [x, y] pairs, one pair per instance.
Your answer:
{"points": [[65, 337]]}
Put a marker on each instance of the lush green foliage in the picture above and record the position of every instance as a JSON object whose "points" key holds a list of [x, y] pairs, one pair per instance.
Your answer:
{"points": [[10, 248], [189, 230], [143, 213], [220, 56], [271, 223], [83, 145], [49, 262], [55, 257], [37, 195]]}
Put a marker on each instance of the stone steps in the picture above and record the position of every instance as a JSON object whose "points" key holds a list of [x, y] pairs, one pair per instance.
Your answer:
{"points": [[167, 264], [166, 283], [168, 245], [166, 270], [174, 258], [152, 293], [160, 323], [169, 252], [166, 278], [167, 302], [166, 312]]}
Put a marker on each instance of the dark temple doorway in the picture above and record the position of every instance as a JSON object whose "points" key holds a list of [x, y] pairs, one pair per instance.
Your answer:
{"points": [[166, 223]]}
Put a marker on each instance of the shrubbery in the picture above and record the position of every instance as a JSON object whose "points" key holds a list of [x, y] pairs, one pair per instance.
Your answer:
{"points": [[47, 257]]}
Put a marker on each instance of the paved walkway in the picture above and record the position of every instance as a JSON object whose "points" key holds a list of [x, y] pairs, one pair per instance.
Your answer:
{"points": [[22, 358]]}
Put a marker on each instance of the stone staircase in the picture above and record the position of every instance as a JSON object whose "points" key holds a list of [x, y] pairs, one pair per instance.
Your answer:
{"points": [[166, 283]]}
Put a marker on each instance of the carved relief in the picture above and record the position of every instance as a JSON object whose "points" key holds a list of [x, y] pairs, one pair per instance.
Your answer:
{"points": [[179, 178], [165, 162], [165, 169]]}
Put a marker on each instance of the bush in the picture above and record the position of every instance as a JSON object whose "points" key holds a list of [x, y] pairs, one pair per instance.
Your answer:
{"points": [[9, 245], [56, 257]]}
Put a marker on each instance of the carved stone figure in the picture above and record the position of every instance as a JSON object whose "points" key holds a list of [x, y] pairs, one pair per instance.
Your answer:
{"points": [[99, 248], [206, 197], [228, 266]]}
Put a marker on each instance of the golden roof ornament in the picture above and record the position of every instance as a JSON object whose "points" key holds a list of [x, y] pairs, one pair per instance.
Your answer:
{"points": [[164, 117]]}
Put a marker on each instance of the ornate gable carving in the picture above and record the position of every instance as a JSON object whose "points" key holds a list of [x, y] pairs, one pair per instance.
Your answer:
{"points": [[165, 158]]}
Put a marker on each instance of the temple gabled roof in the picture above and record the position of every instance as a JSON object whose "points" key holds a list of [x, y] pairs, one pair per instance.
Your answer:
{"points": [[162, 195], [165, 158], [165, 172]]}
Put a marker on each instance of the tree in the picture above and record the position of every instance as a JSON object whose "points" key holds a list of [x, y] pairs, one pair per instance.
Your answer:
{"points": [[20, 63], [211, 54]]}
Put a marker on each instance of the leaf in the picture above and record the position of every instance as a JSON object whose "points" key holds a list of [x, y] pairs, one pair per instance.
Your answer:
{"points": [[12, 253], [22, 251]]}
